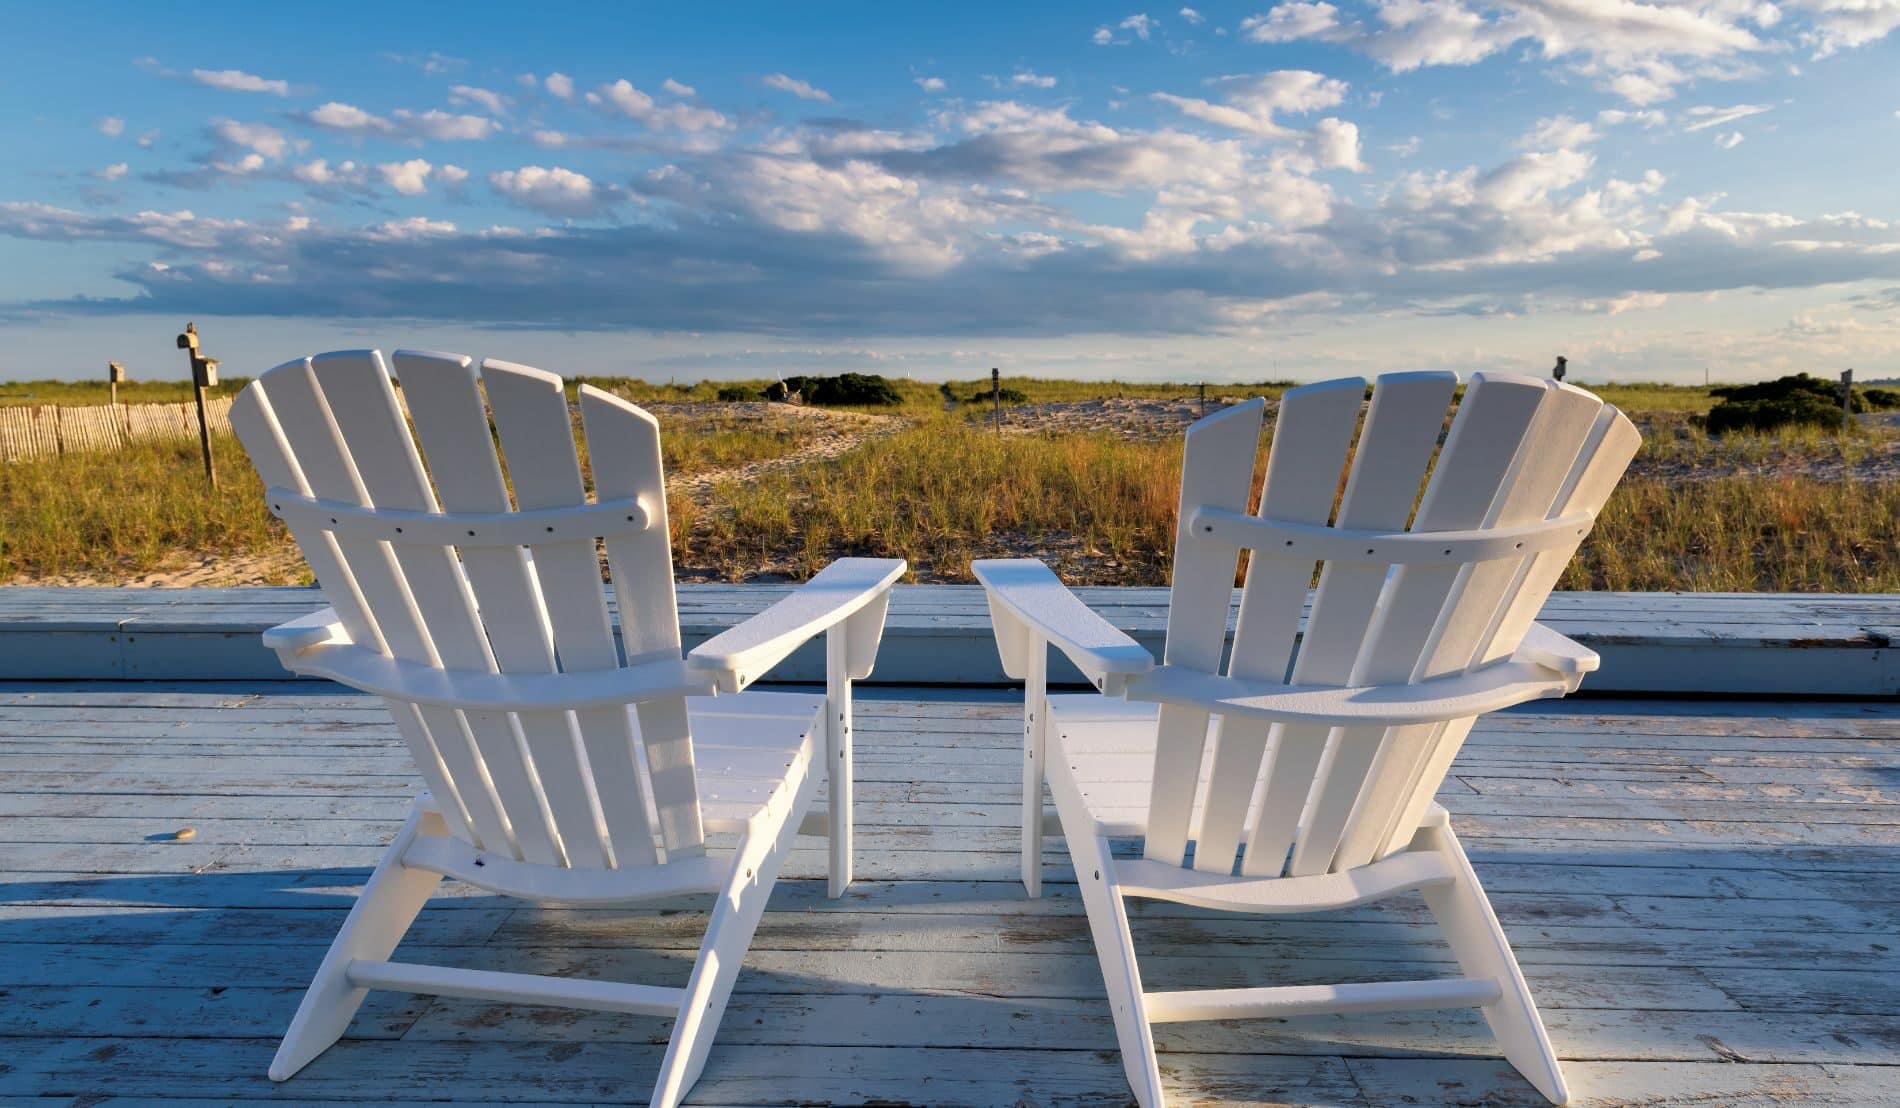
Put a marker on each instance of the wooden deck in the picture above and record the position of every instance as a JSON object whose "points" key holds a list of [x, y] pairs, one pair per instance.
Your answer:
{"points": [[1761, 643], [1726, 932]]}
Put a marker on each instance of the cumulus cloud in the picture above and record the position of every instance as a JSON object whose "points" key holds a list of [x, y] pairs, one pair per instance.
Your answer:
{"points": [[236, 80], [1296, 19], [410, 178], [674, 88], [1141, 24], [113, 172], [931, 84], [434, 124], [559, 85], [494, 103], [111, 126], [1193, 17], [804, 90], [555, 191], [1847, 24], [1334, 143], [1024, 77], [1251, 103]]}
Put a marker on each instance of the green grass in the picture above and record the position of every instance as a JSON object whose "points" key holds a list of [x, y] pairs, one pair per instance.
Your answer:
{"points": [[130, 511], [77, 393]]}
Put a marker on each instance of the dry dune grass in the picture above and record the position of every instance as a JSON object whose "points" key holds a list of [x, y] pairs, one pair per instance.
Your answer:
{"points": [[1795, 511]]}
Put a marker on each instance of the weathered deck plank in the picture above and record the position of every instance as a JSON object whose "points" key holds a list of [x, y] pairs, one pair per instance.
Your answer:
{"points": [[1700, 892], [1767, 643]]}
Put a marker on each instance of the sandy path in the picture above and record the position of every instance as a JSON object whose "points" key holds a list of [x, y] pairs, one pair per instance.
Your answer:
{"points": [[840, 433]]}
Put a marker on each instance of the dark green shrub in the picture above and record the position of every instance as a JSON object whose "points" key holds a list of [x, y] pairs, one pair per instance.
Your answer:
{"points": [[1879, 400], [1783, 402], [1008, 395], [846, 388], [732, 394]]}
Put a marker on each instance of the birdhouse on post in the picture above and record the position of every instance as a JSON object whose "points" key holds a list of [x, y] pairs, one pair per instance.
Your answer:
{"points": [[1563, 366], [204, 375], [115, 376]]}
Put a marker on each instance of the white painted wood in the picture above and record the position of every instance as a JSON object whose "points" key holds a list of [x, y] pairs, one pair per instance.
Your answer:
{"points": [[483, 622], [516, 988], [1388, 466], [1285, 1001], [1029, 604], [745, 653], [1216, 472], [1461, 695], [1035, 747], [377, 921], [1400, 657], [1311, 436]]}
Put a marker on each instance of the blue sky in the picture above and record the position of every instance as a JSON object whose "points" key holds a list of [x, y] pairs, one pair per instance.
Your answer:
{"points": [[1219, 192]]}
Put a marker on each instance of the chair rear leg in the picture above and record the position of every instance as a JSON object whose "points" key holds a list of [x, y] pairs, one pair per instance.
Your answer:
{"points": [[1477, 940], [1035, 747], [735, 917], [838, 770], [377, 922]]}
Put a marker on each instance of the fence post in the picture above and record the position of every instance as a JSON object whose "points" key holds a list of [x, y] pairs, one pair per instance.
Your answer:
{"points": [[204, 374], [996, 398], [1847, 400]]}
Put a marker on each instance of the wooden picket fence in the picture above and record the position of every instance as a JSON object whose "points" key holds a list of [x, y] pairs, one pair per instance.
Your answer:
{"points": [[41, 430]]}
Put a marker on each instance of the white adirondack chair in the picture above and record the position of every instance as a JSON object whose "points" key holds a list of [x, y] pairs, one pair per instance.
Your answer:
{"points": [[1320, 762], [557, 771]]}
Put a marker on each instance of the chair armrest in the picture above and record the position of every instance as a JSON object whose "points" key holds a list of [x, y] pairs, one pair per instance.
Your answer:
{"points": [[854, 591], [1458, 696], [1559, 652], [1028, 602], [304, 632]]}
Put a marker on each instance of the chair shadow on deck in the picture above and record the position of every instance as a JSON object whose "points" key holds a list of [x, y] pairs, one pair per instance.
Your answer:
{"points": [[180, 965]]}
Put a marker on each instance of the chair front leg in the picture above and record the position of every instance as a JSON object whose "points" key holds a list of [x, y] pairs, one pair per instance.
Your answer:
{"points": [[1035, 743], [838, 756]]}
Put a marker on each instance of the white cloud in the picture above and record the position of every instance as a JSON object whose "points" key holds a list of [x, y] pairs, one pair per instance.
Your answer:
{"points": [[434, 124], [1141, 24], [1033, 80], [348, 119], [555, 191], [113, 172], [1296, 19], [560, 85], [111, 126], [442, 126], [676, 89], [255, 137], [1729, 141], [148, 138], [1704, 117], [410, 178], [624, 99], [804, 90], [1252, 102], [1846, 24], [454, 176], [1649, 118], [1558, 132], [1102, 36], [931, 84], [494, 103], [1193, 17], [1334, 143], [321, 173], [236, 80]]}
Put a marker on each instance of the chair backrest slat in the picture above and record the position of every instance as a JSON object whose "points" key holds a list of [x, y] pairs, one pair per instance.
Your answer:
{"points": [[1312, 435], [1486, 436], [1388, 468], [624, 443], [1560, 430], [304, 431], [1216, 471], [530, 784], [1520, 451]]}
